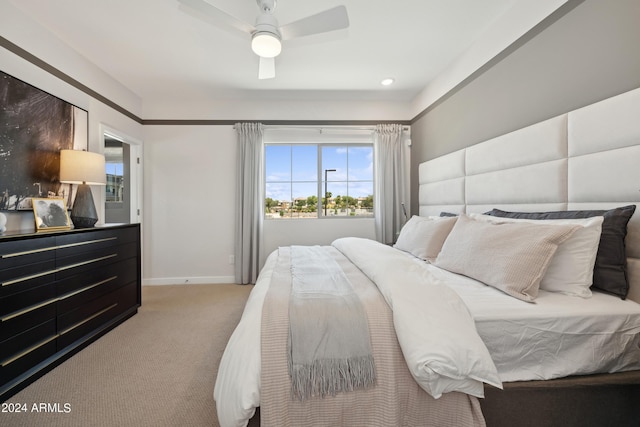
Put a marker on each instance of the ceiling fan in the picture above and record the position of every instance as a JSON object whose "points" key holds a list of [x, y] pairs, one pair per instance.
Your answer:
{"points": [[266, 35]]}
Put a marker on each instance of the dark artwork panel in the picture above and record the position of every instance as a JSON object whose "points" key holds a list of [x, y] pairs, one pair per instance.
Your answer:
{"points": [[34, 127]]}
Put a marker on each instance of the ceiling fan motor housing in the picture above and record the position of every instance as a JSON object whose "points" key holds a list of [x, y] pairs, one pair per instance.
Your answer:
{"points": [[265, 40]]}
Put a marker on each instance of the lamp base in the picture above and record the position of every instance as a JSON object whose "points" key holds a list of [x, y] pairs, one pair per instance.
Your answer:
{"points": [[80, 222], [83, 213]]}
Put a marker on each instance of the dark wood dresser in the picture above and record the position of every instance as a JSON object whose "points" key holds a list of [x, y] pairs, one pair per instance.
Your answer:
{"points": [[59, 291]]}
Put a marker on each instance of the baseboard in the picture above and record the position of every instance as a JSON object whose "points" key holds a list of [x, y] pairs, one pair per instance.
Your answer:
{"points": [[207, 280]]}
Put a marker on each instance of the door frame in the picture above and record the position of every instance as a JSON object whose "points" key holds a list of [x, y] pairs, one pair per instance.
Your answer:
{"points": [[135, 171]]}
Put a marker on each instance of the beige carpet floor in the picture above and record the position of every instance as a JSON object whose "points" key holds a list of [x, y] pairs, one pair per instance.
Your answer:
{"points": [[156, 369]]}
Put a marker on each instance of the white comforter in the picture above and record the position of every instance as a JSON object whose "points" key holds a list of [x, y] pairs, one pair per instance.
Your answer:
{"points": [[436, 332]]}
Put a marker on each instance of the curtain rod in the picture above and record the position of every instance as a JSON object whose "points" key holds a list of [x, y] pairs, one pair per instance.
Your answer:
{"points": [[338, 127], [320, 128]]}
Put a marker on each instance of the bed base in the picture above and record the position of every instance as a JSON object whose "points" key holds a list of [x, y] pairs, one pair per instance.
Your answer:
{"points": [[584, 401]]}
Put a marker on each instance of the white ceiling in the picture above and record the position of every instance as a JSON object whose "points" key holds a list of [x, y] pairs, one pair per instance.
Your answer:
{"points": [[160, 52]]}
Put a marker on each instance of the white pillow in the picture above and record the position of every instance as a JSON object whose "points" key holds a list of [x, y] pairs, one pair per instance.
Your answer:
{"points": [[570, 271], [423, 237], [510, 256]]}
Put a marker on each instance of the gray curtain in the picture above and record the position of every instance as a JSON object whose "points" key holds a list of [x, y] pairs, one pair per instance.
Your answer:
{"points": [[391, 185], [250, 213]]}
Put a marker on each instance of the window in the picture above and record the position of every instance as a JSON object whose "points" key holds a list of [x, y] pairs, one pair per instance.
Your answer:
{"points": [[295, 185]]}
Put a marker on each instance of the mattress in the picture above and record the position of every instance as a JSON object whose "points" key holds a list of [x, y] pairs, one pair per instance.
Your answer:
{"points": [[556, 336]]}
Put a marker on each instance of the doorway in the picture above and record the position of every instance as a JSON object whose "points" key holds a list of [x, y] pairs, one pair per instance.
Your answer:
{"points": [[122, 192], [118, 189]]}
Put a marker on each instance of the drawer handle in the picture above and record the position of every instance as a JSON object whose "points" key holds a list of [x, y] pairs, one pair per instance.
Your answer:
{"points": [[32, 276], [33, 251], [71, 328], [28, 309], [88, 242], [79, 264], [27, 351], [86, 288]]}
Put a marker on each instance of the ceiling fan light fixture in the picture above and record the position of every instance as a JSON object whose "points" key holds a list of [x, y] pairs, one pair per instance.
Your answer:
{"points": [[266, 44], [267, 34]]}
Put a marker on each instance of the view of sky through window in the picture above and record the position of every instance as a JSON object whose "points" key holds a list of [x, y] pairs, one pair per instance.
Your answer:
{"points": [[292, 175]]}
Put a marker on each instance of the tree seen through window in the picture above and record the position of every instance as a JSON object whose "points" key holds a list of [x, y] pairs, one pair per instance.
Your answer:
{"points": [[295, 185]]}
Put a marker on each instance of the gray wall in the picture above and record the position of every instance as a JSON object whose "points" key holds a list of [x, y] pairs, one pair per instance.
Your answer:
{"points": [[586, 52]]}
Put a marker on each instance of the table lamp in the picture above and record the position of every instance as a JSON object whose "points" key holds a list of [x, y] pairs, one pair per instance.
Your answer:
{"points": [[84, 168]]}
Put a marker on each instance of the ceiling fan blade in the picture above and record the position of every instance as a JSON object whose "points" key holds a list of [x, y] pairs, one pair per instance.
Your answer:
{"points": [[267, 68], [211, 14], [329, 20]]}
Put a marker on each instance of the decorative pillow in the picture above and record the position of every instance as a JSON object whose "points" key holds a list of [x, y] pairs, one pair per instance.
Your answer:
{"points": [[570, 271], [610, 270], [510, 256], [423, 237]]}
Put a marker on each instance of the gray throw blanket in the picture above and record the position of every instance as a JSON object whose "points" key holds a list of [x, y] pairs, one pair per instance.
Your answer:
{"points": [[329, 343]]}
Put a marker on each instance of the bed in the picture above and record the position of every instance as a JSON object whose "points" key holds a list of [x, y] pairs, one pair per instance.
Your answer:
{"points": [[585, 159], [559, 348]]}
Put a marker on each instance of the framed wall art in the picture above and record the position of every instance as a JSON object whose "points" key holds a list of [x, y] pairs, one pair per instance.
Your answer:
{"points": [[50, 214], [34, 127]]}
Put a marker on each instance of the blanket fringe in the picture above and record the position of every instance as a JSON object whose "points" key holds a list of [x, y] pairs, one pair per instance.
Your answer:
{"points": [[327, 377]]}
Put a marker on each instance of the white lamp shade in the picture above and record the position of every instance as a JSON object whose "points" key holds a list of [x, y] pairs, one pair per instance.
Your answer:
{"points": [[266, 45], [82, 167]]}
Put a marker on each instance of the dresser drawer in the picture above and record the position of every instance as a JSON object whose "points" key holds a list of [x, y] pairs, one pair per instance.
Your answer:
{"points": [[70, 319], [77, 263], [29, 361], [18, 322], [20, 344], [95, 239], [26, 251], [122, 271], [87, 238], [28, 279], [29, 297], [94, 314], [20, 311], [86, 294]]}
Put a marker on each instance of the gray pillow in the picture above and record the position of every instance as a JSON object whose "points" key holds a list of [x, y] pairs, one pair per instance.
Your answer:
{"points": [[610, 270]]}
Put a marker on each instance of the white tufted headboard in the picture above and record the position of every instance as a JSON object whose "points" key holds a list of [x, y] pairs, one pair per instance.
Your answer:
{"points": [[585, 159]]}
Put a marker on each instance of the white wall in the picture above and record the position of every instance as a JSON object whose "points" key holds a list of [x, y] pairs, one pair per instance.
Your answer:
{"points": [[280, 109], [189, 201]]}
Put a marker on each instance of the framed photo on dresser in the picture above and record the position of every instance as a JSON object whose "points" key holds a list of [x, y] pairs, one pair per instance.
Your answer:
{"points": [[50, 214]]}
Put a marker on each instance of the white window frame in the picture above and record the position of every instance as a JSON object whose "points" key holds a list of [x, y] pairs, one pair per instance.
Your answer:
{"points": [[320, 137]]}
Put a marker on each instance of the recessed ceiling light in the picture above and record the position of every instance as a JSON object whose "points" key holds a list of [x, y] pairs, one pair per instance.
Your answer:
{"points": [[387, 81]]}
